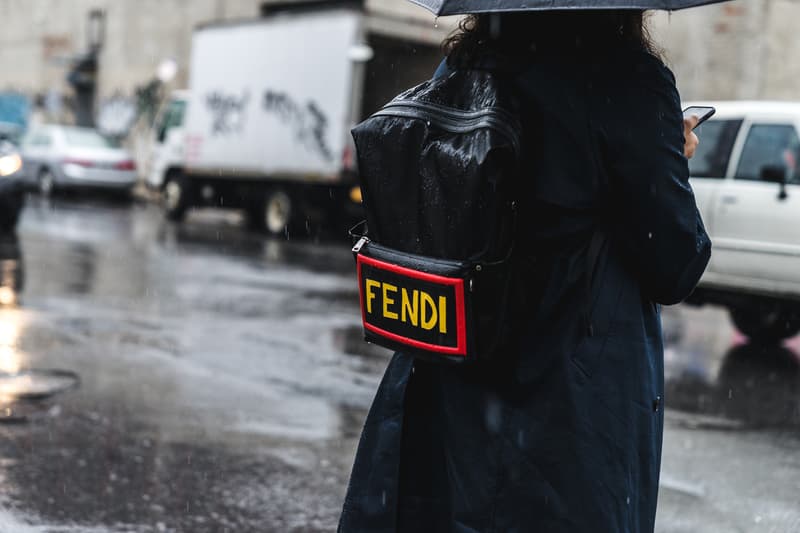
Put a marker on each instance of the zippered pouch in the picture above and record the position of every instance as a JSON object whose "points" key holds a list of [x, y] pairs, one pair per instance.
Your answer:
{"points": [[416, 304]]}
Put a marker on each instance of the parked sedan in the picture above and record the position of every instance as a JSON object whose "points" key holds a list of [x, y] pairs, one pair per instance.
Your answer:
{"points": [[60, 157]]}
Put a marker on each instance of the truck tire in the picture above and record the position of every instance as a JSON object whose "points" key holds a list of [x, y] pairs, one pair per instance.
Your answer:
{"points": [[176, 193], [766, 324], [275, 213]]}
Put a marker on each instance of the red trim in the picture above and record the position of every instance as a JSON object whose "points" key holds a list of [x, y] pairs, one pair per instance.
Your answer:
{"points": [[456, 283]]}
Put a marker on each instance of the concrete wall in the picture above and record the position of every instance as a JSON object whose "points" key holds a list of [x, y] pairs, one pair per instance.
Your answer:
{"points": [[41, 37], [746, 49]]}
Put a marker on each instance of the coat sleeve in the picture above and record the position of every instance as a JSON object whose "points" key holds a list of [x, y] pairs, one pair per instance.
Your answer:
{"points": [[656, 217]]}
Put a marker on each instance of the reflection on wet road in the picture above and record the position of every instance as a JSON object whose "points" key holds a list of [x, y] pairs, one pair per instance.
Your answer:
{"points": [[223, 384], [732, 442], [712, 369]]}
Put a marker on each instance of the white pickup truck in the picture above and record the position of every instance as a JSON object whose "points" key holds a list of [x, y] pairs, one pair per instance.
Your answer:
{"points": [[746, 177]]}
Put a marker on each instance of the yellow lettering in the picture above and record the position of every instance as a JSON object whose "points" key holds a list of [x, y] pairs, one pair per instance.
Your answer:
{"points": [[442, 315], [427, 303], [411, 307], [387, 288], [371, 284]]}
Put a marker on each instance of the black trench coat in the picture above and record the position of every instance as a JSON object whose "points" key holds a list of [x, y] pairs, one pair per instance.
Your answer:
{"points": [[570, 441]]}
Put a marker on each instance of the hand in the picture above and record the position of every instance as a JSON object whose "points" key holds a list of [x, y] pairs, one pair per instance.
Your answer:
{"points": [[692, 142]]}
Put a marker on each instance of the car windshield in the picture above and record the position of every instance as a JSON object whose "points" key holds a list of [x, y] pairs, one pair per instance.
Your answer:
{"points": [[86, 138], [174, 116]]}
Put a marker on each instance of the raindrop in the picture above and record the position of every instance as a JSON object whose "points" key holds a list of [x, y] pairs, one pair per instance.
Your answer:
{"points": [[383, 498], [494, 415], [730, 394], [628, 500], [650, 235], [436, 23]]}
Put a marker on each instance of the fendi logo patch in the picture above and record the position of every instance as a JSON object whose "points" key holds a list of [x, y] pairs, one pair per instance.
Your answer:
{"points": [[411, 307]]}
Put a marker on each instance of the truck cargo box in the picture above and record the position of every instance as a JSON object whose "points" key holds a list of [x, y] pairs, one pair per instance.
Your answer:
{"points": [[273, 97]]}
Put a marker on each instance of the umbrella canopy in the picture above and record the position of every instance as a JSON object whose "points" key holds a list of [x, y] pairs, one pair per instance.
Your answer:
{"points": [[460, 7]]}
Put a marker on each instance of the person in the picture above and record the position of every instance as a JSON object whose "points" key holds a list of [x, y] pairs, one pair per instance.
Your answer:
{"points": [[569, 437]]}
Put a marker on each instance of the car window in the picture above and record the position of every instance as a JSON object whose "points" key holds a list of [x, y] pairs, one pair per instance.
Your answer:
{"points": [[769, 145], [713, 154], [38, 139], [87, 138]]}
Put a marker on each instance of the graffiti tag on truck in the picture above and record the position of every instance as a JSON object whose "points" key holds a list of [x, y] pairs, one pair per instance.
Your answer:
{"points": [[227, 112], [308, 121]]}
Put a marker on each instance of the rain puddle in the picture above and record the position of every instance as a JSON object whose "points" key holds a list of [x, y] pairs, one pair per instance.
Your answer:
{"points": [[36, 384], [23, 395]]}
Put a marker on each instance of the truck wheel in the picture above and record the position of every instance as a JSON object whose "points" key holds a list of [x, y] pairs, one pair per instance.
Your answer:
{"points": [[766, 324], [176, 197], [274, 214]]}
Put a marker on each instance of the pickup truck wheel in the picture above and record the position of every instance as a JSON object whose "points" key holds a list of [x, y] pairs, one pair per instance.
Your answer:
{"points": [[176, 194], [765, 324]]}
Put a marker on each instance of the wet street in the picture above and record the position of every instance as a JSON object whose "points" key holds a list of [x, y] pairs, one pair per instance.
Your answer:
{"points": [[202, 378]]}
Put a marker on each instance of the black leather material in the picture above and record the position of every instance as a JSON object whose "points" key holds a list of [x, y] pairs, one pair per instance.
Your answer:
{"points": [[428, 265], [434, 191]]}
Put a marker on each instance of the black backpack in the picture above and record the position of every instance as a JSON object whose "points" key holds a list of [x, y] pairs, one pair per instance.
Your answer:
{"points": [[439, 170]]}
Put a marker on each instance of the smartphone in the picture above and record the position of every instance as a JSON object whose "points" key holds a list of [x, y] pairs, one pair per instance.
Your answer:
{"points": [[703, 113]]}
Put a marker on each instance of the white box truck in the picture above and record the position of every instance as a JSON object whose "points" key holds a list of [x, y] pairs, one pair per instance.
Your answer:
{"points": [[266, 124]]}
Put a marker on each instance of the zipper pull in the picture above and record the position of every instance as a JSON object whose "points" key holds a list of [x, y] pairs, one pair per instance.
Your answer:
{"points": [[360, 244]]}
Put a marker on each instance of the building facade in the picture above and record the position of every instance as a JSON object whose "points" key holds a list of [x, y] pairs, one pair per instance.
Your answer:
{"points": [[741, 50], [738, 50], [48, 38]]}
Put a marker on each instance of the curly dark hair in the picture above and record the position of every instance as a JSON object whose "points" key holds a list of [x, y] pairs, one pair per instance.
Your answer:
{"points": [[518, 34]]}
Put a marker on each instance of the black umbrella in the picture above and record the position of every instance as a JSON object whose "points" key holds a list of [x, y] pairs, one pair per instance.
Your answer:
{"points": [[460, 7]]}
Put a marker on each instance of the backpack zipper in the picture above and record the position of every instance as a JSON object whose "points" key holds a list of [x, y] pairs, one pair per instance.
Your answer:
{"points": [[360, 244]]}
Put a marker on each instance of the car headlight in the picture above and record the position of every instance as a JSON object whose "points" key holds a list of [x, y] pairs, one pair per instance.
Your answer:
{"points": [[9, 164]]}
